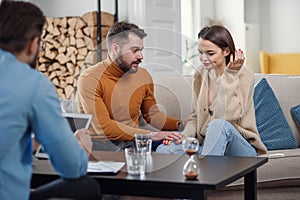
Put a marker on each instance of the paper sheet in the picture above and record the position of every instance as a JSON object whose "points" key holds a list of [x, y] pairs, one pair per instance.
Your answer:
{"points": [[105, 166]]}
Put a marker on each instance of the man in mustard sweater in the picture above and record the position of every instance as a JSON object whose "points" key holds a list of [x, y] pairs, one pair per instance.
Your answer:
{"points": [[116, 91]]}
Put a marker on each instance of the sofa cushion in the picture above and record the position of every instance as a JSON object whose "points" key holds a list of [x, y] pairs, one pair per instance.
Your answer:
{"points": [[274, 130], [296, 113]]}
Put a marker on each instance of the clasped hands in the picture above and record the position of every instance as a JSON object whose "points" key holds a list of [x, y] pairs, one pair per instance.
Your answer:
{"points": [[167, 137]]}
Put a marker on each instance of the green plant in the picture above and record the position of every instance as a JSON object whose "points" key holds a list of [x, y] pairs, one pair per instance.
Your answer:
{"points": [[190, 51]]}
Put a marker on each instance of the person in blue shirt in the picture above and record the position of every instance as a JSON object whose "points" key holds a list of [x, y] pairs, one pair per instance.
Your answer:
{"points": [[29, 104]]}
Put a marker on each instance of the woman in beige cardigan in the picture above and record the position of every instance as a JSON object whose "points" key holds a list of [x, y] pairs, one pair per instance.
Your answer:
{"points": [[223, 117]]}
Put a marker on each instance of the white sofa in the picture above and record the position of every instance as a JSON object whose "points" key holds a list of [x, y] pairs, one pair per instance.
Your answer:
{"points": [[277, 179]]}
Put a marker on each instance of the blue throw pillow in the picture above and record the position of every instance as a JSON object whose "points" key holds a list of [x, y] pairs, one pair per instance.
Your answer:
{"points": [[272, 126], [296, 114]]}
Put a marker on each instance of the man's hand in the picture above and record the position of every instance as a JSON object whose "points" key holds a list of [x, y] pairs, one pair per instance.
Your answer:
{"points": [[167, 136], [84, 140], [35, 145]]}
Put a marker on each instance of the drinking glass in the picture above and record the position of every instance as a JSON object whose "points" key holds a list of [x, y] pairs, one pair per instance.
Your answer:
{"points": [[135, 161], [143, 142]]}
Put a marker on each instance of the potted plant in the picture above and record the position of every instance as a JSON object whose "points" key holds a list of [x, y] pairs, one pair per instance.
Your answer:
{"points": [[190, 53]]}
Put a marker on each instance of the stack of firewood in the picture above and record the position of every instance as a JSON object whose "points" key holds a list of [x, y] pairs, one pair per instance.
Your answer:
{"points": [[70, 45]]}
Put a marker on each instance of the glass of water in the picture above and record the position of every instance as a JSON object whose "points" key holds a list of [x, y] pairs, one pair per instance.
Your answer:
{"points": [[143, 142], [135, 161]]}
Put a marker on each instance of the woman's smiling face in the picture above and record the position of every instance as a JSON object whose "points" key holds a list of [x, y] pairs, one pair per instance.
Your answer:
{"points": [[211, 55]]}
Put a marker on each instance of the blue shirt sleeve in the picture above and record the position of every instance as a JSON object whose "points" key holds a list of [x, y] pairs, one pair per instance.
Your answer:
{"points": [[54, 133]]}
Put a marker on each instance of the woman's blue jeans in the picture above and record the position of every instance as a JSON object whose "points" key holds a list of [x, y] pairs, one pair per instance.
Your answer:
{"points": [[221, 139]]}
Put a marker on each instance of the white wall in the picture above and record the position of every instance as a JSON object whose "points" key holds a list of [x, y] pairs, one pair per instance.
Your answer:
{"points": [[277, 20], [231, 14], [252, 10], [280, 28], [253, 36], [62, 8], [273, 23], [161, 21]]}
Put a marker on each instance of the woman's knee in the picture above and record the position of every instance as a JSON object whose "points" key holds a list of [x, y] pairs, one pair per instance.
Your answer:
{"points": [[217, 122], [220, 125], [215, 127]]}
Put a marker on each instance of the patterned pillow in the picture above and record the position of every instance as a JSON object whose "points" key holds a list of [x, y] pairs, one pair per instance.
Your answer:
{"points": [[274, 130], [296, 114]]}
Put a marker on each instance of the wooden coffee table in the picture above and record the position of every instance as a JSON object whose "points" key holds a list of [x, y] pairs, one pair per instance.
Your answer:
{"points": [[164, 176]]}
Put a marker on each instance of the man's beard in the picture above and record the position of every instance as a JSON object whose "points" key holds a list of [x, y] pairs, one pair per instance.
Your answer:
{"points": [[127, 67], [33, 63]]}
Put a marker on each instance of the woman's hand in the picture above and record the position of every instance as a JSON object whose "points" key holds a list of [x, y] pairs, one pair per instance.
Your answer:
{"points": [[238, 61], [84, 139], [167, 136], [179, 140]]}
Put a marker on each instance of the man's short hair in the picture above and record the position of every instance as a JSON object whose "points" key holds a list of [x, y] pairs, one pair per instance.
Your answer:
{"points": [[19, 23], [119, 33]]}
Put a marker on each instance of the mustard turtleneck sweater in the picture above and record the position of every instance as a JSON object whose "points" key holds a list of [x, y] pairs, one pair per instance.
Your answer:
{"points": [[116, 100]]}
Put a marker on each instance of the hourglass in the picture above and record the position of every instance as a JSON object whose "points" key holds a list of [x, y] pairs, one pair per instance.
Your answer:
{"points": [[190, 169]]}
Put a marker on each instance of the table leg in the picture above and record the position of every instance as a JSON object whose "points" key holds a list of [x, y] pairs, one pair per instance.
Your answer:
{"points": [[250, 182], [199, 195]]}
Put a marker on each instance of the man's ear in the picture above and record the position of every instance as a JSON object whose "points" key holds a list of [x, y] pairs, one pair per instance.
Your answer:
{"points": [[33, 45], [115, 48]]}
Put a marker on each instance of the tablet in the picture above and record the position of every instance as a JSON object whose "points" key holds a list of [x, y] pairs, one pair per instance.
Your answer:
{"points": [[76, 121]]}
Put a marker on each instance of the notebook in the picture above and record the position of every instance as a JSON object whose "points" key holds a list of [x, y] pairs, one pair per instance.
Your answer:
{"points": [[76, 121]]}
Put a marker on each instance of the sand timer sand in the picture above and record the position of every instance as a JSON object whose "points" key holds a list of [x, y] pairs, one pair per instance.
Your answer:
{"points": [[191, 168]]}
